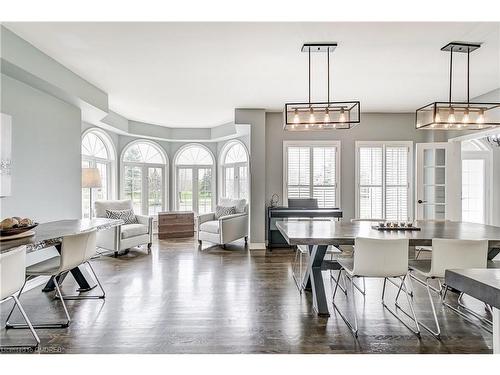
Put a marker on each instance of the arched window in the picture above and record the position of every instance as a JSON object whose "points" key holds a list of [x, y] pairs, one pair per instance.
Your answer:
{"points": [[234, 170], [98, 152], [144, 171], [194, 173]]}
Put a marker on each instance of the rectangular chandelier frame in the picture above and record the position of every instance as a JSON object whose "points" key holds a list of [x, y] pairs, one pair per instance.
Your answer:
{"points": [[321, 115], [458, 116]]}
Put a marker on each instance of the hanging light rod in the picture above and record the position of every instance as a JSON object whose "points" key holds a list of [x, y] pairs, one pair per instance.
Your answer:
{"points": [[458, 115], [321, 115]]}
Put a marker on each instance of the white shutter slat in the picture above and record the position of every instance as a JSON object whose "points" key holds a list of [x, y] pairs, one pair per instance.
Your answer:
{"points": [[396, 200], [370, 182], [324, 175], [298, 172]]}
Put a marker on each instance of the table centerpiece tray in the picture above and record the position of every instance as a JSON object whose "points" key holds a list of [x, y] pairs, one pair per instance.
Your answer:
{"points": [[401, 228]]}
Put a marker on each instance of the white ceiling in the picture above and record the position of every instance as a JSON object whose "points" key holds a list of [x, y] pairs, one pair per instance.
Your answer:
{"points": [[195, 74]]}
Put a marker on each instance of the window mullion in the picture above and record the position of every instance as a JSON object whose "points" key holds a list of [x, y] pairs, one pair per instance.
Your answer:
{"points": [[384, 186], [145, 192], [311, 177]]}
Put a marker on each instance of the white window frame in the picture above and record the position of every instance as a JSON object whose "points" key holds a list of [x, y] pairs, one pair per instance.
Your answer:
{"points": [[383, 145], [194, 168], [144, 168], [111, 180], [222, 168], [312, 144]]}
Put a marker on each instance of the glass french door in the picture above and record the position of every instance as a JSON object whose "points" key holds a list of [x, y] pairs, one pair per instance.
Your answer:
{"points": [[97, 193], [195, 189], [144, 185], [185, 189], [438, 181], [474, 190], [236, 181]]}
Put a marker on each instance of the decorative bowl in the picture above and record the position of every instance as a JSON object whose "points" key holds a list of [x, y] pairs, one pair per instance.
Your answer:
{"points": [[16, 230]]}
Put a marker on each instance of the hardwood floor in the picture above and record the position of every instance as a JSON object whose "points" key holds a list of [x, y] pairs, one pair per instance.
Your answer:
{"points": [[182, 300]]}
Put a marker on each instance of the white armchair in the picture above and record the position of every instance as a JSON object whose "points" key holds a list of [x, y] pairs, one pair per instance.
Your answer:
{"points": [[127, 235], [227, 228]]}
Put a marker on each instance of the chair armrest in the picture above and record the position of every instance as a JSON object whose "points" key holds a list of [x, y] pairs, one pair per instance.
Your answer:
{"points": [[146, 220], [233, 227], [229, 217], [206, 217]]}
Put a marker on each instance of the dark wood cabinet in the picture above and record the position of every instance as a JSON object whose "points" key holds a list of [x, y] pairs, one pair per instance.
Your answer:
{"points": [[175, 224]]}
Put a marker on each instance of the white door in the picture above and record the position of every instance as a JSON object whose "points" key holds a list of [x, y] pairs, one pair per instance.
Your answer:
{"points": [[438, 176]]}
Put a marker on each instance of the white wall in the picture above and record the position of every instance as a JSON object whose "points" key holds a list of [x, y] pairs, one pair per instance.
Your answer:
{"points": [[256, 118], [46, 176]]}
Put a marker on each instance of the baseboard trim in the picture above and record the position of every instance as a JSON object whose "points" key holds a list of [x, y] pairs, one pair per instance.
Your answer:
{"points": [[257, 245]]}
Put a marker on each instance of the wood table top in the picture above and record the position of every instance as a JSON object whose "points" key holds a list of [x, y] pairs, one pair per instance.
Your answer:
{"points": [[330, 232], [51, 233]]}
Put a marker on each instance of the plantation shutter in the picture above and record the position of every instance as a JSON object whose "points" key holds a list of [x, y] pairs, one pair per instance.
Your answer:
{"points": [[299, 172], [370, 182], [324, 172], [396, 181]]}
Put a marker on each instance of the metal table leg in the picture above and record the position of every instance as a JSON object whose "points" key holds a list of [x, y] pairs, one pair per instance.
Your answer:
{"points": [[313, 279], [81, 275]]}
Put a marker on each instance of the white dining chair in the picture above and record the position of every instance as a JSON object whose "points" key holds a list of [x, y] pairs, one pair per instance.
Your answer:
{"points": [[447, 254], [426, 249], [12, 280], [376, 258], [362, 290], [76, 250]]}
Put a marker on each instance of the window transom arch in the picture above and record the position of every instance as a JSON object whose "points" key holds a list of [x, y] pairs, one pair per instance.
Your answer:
{"points": [[234, 171], [144, 152], [194, 178], [98, 152], [144, 171]]}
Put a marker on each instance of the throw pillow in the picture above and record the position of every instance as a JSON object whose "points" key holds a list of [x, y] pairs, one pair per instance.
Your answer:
{"points": [[127, 216], [221, 211]]}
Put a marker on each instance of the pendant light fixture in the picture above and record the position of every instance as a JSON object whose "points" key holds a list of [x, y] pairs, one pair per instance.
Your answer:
{"points": [[321, 115], [464, 115]]}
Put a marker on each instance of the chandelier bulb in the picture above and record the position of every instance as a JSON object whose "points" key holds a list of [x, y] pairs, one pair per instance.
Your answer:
{"points": [[466, 119], [312, 119], [480, 117], [296, 116], [342, 115], [327, 116], [451, 116], [437, 118]]}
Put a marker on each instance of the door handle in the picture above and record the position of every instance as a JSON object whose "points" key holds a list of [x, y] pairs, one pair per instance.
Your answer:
{"points": [[421, 201]]}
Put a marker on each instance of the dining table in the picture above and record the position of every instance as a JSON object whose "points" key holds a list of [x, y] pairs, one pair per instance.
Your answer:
{"points": [[50, 234], [484, 285], [317, 235]]}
